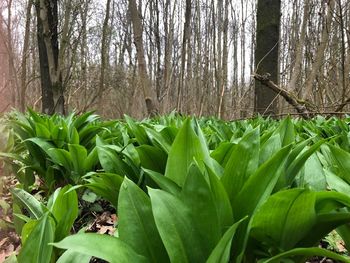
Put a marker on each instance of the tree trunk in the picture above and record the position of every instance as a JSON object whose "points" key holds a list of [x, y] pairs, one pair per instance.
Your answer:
{"points": [[104, 57], [185, 39], [320, 53], [23, 87], [50, 75], [266, 53], [149, 98]]}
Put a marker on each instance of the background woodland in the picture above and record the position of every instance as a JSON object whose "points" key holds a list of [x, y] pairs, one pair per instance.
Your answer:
{"points": [[195, 56]]}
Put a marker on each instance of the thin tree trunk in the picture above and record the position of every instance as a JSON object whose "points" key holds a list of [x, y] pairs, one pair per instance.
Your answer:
{"points": [[185, 39], [300, 46], [104, 56], [149, 98], [23, 87], [320, 53]]}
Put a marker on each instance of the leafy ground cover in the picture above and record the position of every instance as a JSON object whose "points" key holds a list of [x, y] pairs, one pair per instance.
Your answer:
{"points": [[179, 189]]}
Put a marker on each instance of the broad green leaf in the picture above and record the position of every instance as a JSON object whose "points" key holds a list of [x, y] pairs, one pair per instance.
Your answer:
{"points": [[61, 157], [197, 196], [163, 182], [105, 247], [243, 162], [136, 225], [64, 208], [106, 185], [221, 253], [138, 131], [34, 207], [37, 248], [41, 131], [286, 132], [70, 256], [269, 148], [223, 153], [261, 183], [186, 147], [78, 154], [315, 251], [110, 161], [160, 138], [340, 162], [330, 215], [312, 174], [221, 199], [91, 160], [42, 143], [59, 136], [336, 183], [27, 230], [174, 223], [285, 218], [295, 166], [152, 158], [255, 191]]}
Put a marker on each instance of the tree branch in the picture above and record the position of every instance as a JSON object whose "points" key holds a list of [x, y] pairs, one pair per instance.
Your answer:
{"points": [[301, 106]]}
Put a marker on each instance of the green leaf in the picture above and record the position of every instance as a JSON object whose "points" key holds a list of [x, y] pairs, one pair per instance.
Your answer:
{"points": [[173, 220], [105, 247], [91, 160], [78, 155], [221, 200], [152, 158], [197, 196], [315, 251], [261, 184], [160, 138], [340, 162], [41, 131], [286, 131], [186, 147], [138, 131], [34, 207], [299, 161], [106, 185], [163, 182], [37, 248], [255, 191], [109, 159], [73, 257], [285, 218], [336, 183], [64, 207], [243, 162], [221, 253], [136, 225], [312, 175], [61, 157]]}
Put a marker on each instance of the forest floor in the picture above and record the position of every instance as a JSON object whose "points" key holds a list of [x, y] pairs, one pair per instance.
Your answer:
{"points": [[10, 242]]}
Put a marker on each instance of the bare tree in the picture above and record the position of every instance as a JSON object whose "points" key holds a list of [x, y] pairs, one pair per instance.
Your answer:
{"points": [[266, 53], [144, 78], [51, 79]]}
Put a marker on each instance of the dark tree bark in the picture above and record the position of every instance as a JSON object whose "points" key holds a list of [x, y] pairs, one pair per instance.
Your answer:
{"points": [[50, 75], [266, 53]]}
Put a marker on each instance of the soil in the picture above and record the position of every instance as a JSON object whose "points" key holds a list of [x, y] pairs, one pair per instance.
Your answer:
{"points": [[10, 242]]}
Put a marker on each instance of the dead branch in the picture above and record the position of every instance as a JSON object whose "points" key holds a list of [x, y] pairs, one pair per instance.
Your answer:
{"points": [[304, 108], [341, 106]]}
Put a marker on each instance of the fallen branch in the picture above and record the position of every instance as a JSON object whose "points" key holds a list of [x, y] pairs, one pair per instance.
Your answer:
{"points": [[304, 108], [341, 106]]}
